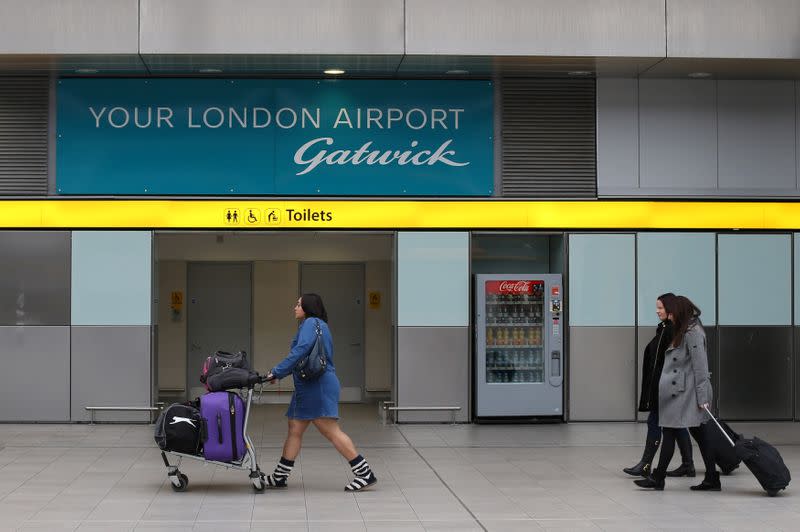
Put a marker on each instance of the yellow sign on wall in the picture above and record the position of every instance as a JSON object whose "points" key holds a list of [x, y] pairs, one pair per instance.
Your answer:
{"points": [[375, 300], [392, 215]]}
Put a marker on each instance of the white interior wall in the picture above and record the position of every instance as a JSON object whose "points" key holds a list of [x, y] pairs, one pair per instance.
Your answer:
{"points": [[276, 269]]}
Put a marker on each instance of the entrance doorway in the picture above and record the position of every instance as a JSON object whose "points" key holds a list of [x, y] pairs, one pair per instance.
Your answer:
{"points": [[341, 287], [219, 315]]}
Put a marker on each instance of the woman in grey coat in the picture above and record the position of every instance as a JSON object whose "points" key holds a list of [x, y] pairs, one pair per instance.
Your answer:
{"points": [[684, 391]]}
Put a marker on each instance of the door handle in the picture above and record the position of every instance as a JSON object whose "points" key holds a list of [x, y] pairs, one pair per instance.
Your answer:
{"points": [[355, 344]]}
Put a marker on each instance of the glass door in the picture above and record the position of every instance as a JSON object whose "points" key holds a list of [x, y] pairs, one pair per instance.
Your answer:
{"points": [[514, 331]]}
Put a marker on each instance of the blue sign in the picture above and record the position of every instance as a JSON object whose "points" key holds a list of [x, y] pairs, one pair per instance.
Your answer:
{"points": [[274, 137]]}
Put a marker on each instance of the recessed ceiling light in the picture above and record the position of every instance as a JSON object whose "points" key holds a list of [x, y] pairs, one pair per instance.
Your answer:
{"points": [[457, 72], [86, 71], [210, 70], [700, 75], [579, 73], [334, 71]]}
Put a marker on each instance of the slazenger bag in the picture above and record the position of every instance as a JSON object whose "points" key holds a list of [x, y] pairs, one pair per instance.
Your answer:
{"points": [[181, 428], [314, 364]]}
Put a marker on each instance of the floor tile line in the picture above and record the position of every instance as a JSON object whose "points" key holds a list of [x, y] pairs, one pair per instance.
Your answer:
{"points": [[445, 484]]}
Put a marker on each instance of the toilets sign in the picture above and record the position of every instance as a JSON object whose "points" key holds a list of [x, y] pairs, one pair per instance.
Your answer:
{"points": [[274, 137]]}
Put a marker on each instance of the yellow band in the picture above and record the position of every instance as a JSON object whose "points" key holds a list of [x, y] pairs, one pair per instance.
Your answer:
{"points": [[370, 214]]}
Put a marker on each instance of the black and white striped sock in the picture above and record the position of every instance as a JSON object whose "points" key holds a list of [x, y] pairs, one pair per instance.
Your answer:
{"points": [[282, 471], [364, 475]]}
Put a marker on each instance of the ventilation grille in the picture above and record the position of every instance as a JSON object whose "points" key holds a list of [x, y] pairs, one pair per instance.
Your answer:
{"points": [[548, 141], [23, 136]]}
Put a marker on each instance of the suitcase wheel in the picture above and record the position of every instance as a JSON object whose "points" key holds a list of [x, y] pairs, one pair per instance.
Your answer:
{"points": [[179, 481], [772, 493]]}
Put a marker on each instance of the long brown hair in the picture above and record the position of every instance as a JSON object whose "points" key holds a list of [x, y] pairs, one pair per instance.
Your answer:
{"points": [[684, 313]]}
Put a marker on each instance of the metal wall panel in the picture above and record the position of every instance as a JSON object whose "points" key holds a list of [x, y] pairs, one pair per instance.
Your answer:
{"points": [[602, 366], [432, 263], [755, 264], [678, 134], [617, 135], [796, 377], [34, 278], [755, 373], [757, 135], [548, 144], [110, 367], [272, 27], [69, 27], [433, 369], [536, 27], [24, 108], [767, 29], [602, 279], [35, 380]]}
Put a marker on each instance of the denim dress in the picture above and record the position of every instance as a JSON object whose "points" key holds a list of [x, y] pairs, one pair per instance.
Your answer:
{"points": [[317, 398]]}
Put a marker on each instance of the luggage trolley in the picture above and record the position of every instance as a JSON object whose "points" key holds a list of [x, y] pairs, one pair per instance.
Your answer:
{"points": [[249, 461]]}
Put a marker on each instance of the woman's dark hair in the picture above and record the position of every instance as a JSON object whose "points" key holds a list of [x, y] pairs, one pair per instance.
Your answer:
{"points": [[312, 307], [666, 299], [684, 313]]}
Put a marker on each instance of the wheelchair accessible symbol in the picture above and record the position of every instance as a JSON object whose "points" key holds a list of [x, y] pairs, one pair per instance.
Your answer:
{"points": [[252, 217]]}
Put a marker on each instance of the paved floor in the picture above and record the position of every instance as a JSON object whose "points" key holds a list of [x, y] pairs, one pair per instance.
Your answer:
{"points": [[432, 477]]}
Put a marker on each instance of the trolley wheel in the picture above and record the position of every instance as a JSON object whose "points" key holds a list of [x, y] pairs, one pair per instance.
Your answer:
{"points": [[772, 493], [179, 482], [258, 484]]}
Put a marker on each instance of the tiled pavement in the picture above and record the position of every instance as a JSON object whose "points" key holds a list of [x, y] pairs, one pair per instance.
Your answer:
{"points": [[432, 477]]}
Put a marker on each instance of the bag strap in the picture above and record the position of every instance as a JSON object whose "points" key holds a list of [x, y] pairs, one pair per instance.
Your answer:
{"points": [[320, 340]]}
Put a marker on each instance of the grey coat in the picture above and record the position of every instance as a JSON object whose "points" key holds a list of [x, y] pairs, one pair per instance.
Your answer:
{"points": [[685, 382]]}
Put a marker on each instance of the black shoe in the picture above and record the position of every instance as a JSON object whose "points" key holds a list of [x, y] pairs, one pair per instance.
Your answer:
{"points": [[643, 468], [362, 483], [683, 470], [710, 483], [651, 482]]}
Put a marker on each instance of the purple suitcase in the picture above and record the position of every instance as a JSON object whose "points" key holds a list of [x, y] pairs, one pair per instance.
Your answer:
{"points": [[224, 414]]}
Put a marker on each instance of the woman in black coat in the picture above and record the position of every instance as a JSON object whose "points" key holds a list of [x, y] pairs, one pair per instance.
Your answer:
{"points": [[652, 364]]}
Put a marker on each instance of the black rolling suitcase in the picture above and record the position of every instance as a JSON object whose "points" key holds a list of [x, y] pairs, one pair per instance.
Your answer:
{"points": [[762, 459], [724, 454]]}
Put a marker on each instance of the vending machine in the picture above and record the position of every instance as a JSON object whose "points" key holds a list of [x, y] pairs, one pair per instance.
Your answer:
{"points": [[519, 345]]}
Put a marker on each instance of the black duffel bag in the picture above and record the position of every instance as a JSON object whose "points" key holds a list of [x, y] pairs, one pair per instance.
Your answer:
{"points": [[182, 429], [231, 379], [724, 455], [221, 361]]}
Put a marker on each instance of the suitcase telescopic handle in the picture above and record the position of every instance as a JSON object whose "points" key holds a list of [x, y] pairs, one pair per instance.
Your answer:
{"points": [[723, 431]]}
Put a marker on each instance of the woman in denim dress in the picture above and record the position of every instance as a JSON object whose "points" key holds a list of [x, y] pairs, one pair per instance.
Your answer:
{"points": [[315, 401]]}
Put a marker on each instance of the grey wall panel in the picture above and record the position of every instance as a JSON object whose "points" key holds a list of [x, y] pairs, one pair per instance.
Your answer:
{"points": [[617, 134], [756, 134], [272, 27], [110, 367], [433, 370], [678, 134], [755, 373], [796, 373], [69, 27], [34, 278], [536, 27], [602, 373], [767, 29], [34, 382]]}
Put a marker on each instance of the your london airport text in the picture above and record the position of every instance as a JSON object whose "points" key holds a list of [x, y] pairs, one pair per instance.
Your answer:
{"points": [[321, 150]]}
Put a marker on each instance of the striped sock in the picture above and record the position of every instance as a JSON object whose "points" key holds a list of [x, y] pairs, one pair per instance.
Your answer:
{"points": [[282, 471], [364, 475]]}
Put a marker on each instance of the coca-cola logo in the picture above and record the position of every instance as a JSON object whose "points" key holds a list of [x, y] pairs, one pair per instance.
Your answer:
{"points": [[516, 287]]}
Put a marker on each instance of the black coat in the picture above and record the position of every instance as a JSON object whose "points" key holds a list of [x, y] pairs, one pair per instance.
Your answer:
{"points": [[652, 364]]}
